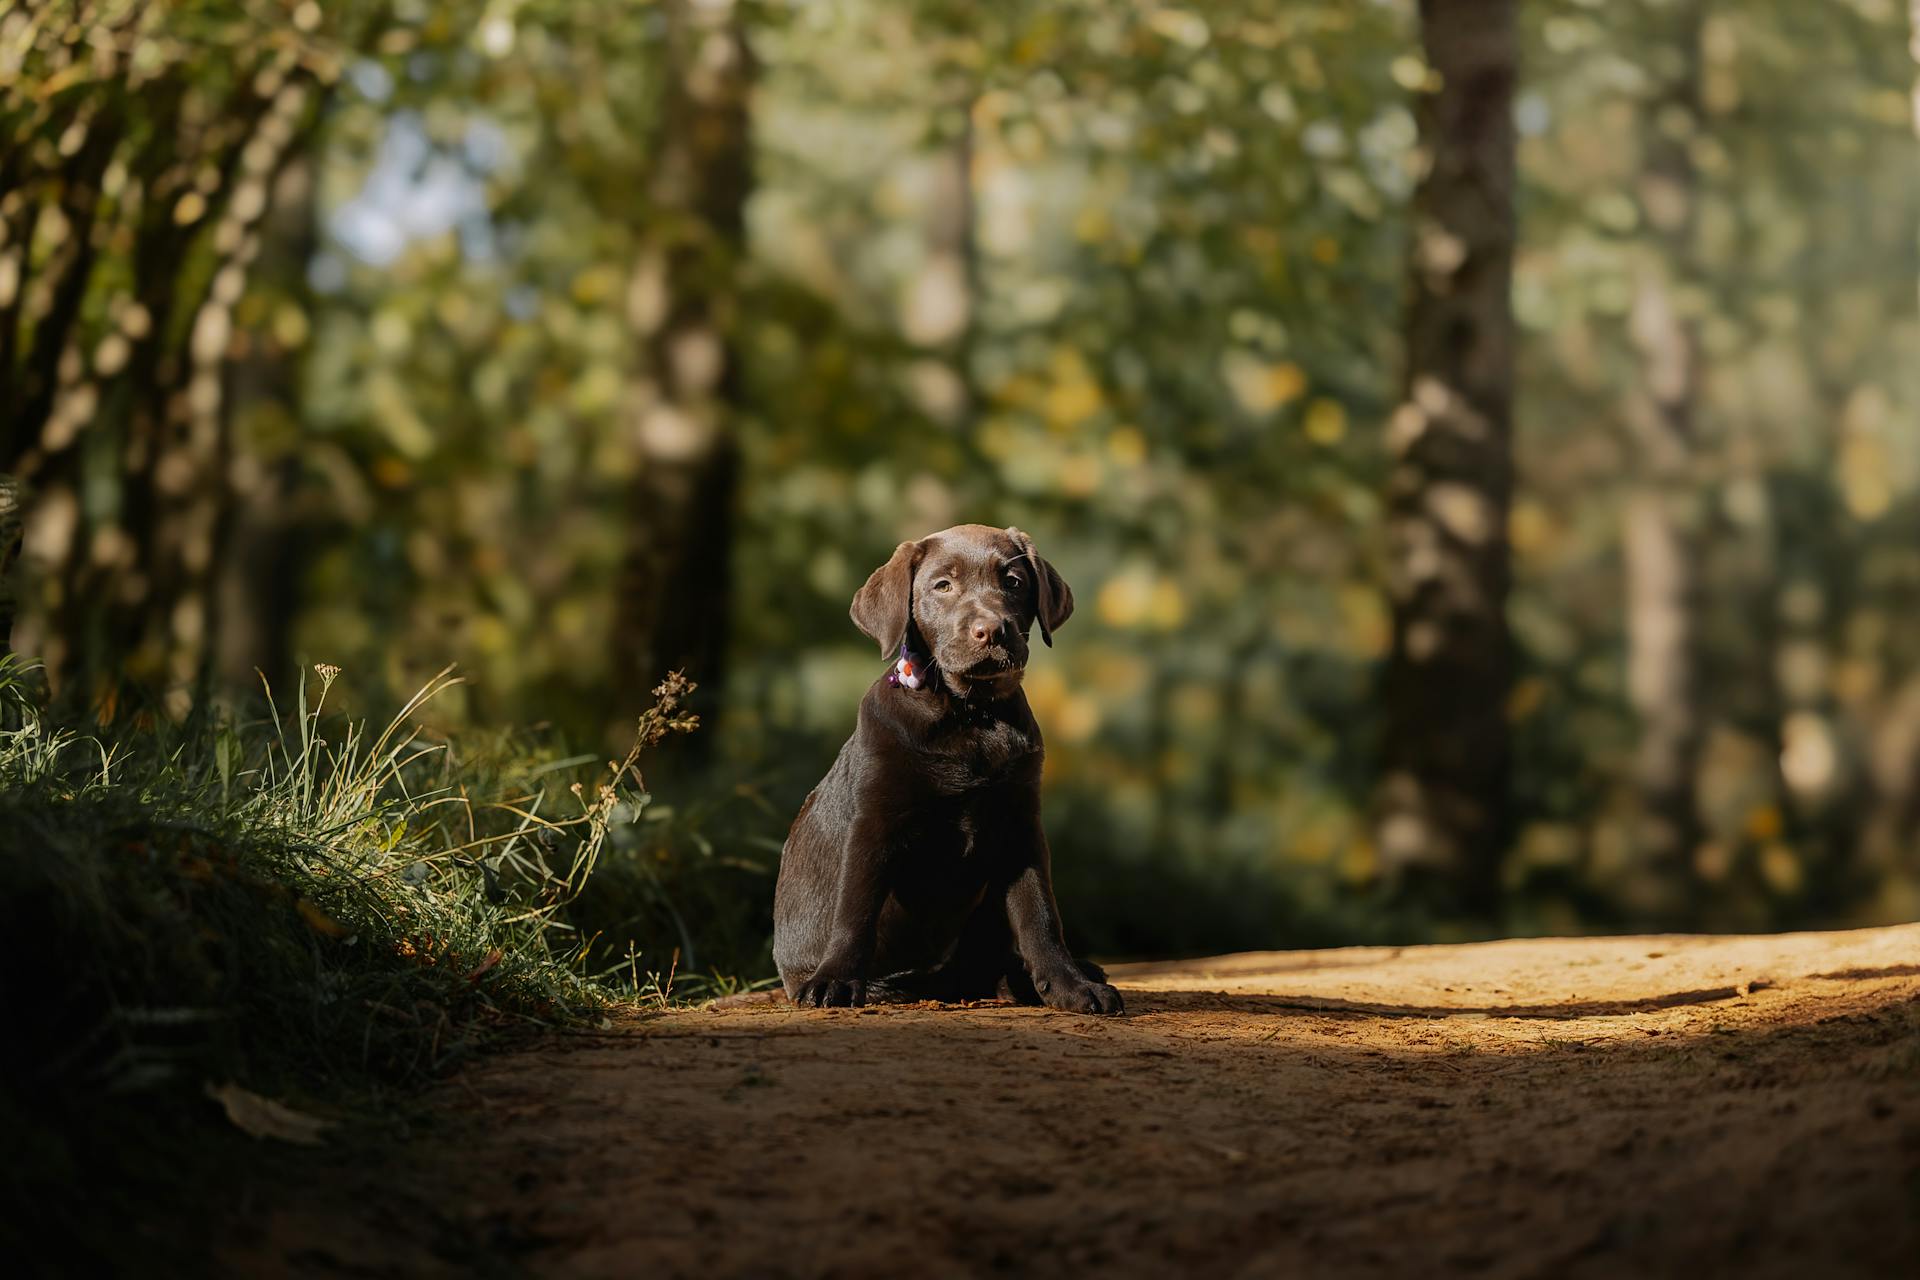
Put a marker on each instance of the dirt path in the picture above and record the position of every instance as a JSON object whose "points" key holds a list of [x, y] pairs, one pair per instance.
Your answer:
{"points": [[1676, 1106]]}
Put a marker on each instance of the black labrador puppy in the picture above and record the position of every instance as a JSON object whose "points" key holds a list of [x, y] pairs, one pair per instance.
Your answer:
{"points": [[918, 869]]}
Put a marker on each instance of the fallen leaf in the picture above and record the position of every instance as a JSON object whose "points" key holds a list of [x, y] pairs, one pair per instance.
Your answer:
{"points": [[319, 921], [493, 958], [264, 1118]]}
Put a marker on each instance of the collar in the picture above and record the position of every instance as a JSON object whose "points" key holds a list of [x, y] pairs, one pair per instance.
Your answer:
{"points": [[911, 670]]}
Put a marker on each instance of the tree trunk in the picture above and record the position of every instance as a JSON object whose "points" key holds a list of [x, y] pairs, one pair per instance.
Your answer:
{"points": [[939, 311], [1444, 816], [179, 502], [268, 534], [11, 510], [676, 591], [1660, 538], [124, 598], [114, 349]]}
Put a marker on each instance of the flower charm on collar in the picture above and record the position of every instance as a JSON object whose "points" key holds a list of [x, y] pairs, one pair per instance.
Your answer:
{"points": [[909, 670]]}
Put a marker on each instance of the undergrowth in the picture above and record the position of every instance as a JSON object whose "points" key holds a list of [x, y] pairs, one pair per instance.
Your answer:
{"points": [[295, 901]]}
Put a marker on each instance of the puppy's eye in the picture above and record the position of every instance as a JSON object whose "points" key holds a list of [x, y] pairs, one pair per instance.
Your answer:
{"points": [[1014, 580], [943, 585]]}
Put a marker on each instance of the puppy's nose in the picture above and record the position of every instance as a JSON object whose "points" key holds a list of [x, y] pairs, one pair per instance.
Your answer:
{"points": [[982, 631]]}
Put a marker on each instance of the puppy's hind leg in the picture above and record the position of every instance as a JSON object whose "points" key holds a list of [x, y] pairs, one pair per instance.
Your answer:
{"points": [[972, 970], [947, 984]]}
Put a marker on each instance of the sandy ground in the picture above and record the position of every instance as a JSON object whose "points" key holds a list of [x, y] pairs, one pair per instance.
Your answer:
{"points": [[1673, 1106]]}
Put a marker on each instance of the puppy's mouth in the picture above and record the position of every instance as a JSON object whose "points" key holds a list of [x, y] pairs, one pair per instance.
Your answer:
{"points": [[996, 662]]}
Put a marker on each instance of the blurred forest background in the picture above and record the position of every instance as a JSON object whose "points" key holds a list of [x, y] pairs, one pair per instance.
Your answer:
{"points": [[1484, 448]]}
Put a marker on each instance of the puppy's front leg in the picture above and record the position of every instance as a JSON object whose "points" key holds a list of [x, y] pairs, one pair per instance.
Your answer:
{"points": [[841, 977], [1035, 919]]}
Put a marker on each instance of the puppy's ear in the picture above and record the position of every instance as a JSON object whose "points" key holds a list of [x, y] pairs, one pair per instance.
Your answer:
{"points": [[884, 606], [1052, 597]]}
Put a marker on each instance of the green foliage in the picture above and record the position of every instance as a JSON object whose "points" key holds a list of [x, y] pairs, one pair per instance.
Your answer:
{"points": [[1121, 176]]}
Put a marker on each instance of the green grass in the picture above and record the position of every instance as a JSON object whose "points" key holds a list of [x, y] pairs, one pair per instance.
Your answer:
{"points": [[294, 896]]}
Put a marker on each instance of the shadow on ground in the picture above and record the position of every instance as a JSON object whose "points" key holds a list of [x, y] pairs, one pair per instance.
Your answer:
{"points": [[1595, 1108]]}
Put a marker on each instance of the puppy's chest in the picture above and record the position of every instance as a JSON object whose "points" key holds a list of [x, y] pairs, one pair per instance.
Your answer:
{"points": [[949, 842], [979, 756]]}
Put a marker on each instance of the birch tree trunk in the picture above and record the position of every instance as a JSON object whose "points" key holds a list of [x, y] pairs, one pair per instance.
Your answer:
{"points": [[1443, 815]]}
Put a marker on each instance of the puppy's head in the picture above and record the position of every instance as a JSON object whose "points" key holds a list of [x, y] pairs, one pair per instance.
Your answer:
{"points": [[966, 596]]}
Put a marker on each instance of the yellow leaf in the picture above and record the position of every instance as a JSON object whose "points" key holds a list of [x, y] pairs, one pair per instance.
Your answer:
{"points": [[1526, 698], [1326, 422], [264, 1118], [319, 921], [1127, 446], [1530, 528], [1261, 387], [1764, 822], [1780, 869], [1285, 381]]}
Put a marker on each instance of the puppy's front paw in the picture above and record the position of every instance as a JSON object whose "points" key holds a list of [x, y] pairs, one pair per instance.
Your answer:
{"points": [[1075, 994], [824, 991]]}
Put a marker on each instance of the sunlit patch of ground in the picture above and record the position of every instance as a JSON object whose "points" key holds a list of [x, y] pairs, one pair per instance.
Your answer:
{"points": [[1597, 1107]]}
